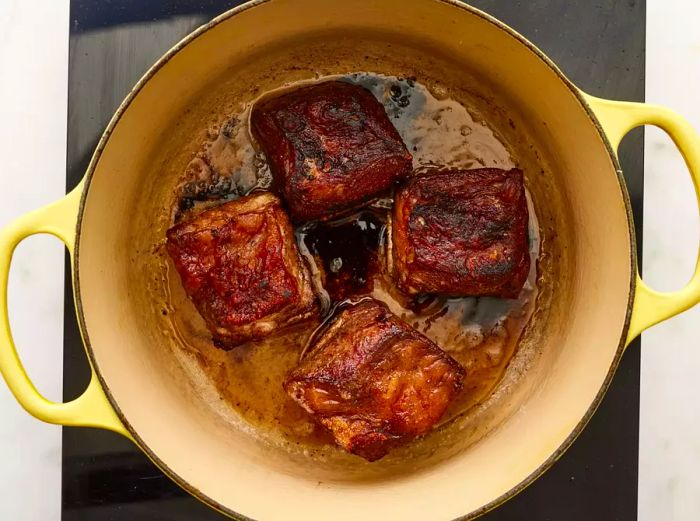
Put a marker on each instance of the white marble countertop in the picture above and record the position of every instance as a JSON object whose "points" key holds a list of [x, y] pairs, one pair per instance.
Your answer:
{"points": [[33, 90], [669, 448]]}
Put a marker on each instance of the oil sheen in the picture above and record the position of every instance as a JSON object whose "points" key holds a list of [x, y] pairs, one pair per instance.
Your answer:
{"points": [[347, 261]]}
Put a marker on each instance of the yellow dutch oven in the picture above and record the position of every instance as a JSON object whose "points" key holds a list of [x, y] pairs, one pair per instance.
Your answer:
{"points": [[591, 304]]}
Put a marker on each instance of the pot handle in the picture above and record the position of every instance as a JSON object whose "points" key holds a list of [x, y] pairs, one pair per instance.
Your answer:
{"points": [[618, 118], [92, 408]]}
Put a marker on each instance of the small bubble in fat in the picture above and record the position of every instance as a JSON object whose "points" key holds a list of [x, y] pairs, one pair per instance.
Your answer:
{"points": [[473, 335], [336, 264], [229, 128], [225, 185], [186, 203], [259, 161]]}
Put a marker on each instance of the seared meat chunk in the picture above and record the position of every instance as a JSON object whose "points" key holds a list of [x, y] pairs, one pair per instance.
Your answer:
{"points": [[240, 265], [330, 146], [373, 381], [461, 233]]}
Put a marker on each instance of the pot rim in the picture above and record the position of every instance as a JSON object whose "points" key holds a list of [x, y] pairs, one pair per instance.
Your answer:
{"points": [[164, 59]]}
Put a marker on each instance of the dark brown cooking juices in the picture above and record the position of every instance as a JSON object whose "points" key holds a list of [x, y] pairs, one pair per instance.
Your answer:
{"points": [[347, 260], [345, 253]]}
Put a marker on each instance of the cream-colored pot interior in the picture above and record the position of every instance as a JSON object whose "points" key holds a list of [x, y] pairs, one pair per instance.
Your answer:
{"points": [[567, 355]]}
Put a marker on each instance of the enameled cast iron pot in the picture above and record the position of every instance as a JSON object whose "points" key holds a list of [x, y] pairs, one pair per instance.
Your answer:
{"points": [[591, 305]]}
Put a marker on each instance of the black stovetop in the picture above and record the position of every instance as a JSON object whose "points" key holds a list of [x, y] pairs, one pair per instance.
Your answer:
{"points": [[599, 44]]}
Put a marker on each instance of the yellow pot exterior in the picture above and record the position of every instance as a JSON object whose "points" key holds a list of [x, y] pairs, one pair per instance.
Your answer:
{"points": [[138, 391]]}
